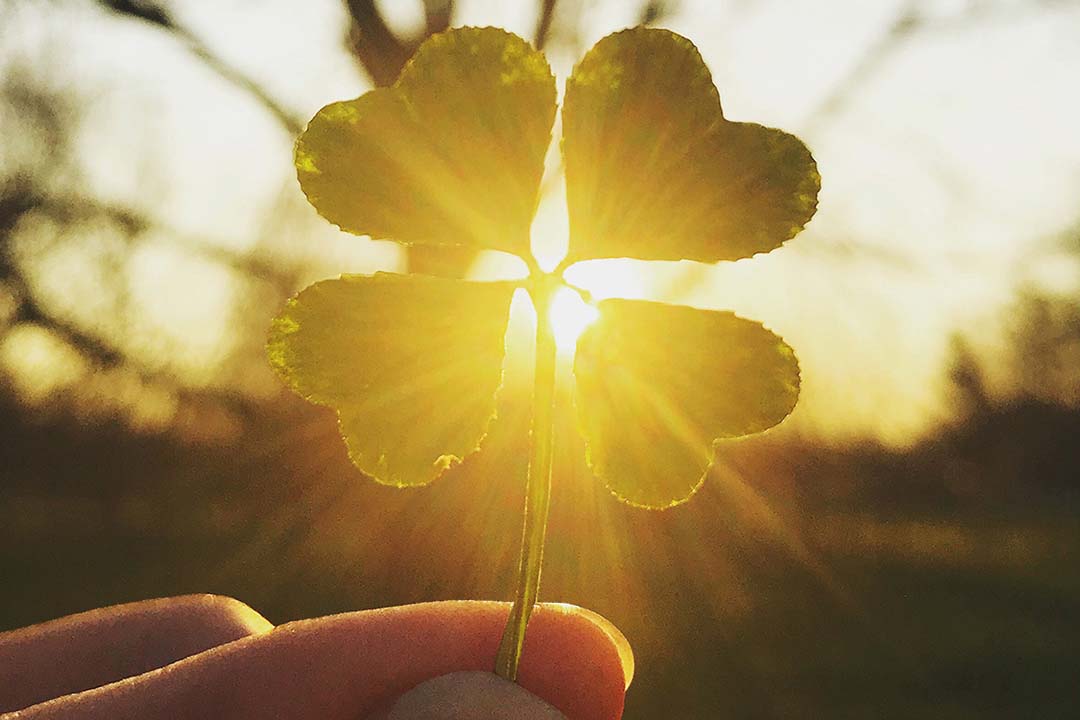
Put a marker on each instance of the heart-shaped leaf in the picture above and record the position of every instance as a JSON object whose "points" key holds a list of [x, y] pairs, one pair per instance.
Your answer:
{"points": [[655, 172], [452, 154], [657, 384], [410, 363]]}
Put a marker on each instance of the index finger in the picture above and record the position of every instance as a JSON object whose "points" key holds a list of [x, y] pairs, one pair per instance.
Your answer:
{"points": [[348, 666]]}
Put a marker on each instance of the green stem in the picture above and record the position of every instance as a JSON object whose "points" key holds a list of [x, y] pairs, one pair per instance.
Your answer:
{"points": [[537, 490]]}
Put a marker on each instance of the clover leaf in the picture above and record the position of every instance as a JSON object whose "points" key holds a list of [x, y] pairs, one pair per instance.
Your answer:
{"points": [[655, 172], [452, 154], [386, 351], [657, 384]]}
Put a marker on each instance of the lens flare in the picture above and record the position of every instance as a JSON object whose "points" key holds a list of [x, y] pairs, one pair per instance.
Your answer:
{"points": [[570, 315]]}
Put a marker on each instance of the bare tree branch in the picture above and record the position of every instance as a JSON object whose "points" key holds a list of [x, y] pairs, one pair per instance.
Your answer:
{"points": [[907, 24], [543, 24], [383, 55], [380, 52], [654, 11], [72, 209], [868, 66], [437, 14], [157, 16]]}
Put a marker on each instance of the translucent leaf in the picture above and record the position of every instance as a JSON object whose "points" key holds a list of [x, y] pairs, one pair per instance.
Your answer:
{"points": [[654, 171], [410, 363], [657, 384], [452, 154]]}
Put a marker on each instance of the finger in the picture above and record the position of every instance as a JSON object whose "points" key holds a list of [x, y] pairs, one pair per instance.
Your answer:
{"points": [[101, 646], [599, 663], [345, 667]]}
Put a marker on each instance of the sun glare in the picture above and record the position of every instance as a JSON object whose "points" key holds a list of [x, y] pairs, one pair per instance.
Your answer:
{"points": [[617, 278], [570, 315]]}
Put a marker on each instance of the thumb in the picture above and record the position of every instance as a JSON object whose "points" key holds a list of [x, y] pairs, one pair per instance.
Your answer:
{"points": [[471, 695]]}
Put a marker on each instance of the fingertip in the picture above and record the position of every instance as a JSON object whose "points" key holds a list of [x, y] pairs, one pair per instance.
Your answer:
{"points": [[614, 635], [234, 613], [577, 660]]}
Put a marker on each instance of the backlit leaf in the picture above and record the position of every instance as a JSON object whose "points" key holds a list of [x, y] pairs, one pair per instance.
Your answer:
{"points": [[657, 384], [452, 154], [410, 363], [655, 172]]}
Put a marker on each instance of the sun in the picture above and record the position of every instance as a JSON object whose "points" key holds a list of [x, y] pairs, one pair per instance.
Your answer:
{"points": [[569, 316]]}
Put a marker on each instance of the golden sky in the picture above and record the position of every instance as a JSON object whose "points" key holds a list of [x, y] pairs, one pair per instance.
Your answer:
{"points": [[949, 158]]}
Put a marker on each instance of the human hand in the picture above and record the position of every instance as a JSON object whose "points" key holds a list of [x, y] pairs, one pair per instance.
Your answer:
{"points": [[211, 657]]}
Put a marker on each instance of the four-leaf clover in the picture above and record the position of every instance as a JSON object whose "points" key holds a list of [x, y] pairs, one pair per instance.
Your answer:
{"points": [[453, 154]]}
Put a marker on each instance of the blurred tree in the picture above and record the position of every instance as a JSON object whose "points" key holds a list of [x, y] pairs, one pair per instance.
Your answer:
{"points": [[1044, 349], [42, 184], [972, 398]]}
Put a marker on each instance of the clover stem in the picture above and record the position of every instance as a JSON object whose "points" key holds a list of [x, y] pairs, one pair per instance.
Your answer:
{"points": [[537, 487]]}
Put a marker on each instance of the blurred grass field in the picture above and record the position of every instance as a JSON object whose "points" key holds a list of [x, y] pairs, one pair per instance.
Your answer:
{"points": [[802, 581]]}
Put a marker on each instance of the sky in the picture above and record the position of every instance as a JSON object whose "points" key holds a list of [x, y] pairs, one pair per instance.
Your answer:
{"points": [[949, 159]]}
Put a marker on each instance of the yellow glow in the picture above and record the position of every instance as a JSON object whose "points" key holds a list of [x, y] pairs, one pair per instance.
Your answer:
{"points": [[550, 231], [610, 278], [570, 315], [39, 364]]}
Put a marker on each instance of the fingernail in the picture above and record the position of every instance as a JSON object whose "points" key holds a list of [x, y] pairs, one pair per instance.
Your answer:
{"points": [[471, 695]]}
